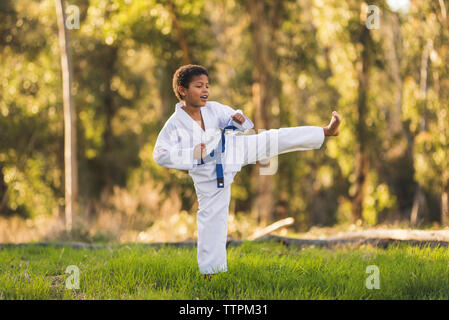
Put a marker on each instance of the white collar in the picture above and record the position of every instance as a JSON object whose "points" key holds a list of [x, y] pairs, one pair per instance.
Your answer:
{"points": [[186, 117]]}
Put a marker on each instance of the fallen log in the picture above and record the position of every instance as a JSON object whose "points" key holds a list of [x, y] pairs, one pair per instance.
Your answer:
{"points": [[399, 234], [272, 227], [376, 242], [295, 242]]}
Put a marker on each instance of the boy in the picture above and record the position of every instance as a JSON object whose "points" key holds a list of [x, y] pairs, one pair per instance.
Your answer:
{"points": [[191, 140]]}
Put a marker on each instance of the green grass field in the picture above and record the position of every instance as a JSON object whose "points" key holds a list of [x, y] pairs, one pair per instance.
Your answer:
{"points": [[255, 271]]}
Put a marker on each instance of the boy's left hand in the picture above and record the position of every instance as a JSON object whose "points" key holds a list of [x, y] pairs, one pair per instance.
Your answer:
{"points": [[238, 117]]}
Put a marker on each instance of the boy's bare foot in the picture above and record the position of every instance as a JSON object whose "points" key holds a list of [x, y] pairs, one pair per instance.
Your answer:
{"points": [[208, 276], [332, 129]]}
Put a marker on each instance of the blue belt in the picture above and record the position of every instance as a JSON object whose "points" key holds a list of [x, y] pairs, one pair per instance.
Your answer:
{"points": [[217, 152]]}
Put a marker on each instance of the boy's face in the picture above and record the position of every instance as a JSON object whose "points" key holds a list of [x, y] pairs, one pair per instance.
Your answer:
{"points": [[197, 93]]}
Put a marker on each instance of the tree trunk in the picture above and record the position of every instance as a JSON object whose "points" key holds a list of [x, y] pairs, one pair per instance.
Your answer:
{"points": [[445, 207], [417, 214], [362, 164], [71, 167], [3, 191], [265, 20], [264, 202], [110, 111], [394, 41], [180, 32]]}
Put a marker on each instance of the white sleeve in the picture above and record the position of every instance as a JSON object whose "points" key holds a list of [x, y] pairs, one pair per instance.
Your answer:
{"points": [[170, 153], [225, 112]]}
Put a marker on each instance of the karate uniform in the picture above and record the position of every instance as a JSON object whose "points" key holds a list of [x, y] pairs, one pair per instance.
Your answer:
{"points": [[174, 149]]}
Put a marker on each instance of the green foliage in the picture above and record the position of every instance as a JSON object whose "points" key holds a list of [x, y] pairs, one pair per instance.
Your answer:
{"points": [[125, 53], [378, 199], [29, 117]]}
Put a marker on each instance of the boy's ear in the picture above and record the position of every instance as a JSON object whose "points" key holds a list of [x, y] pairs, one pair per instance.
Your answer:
{"points": [[182, 91]]}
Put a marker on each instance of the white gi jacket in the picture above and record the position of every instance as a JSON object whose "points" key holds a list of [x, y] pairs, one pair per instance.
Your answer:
{"points": [[176, 142]]}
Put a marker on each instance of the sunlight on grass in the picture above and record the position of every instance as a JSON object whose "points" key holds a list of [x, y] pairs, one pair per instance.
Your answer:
{"points": [[255, 271]]}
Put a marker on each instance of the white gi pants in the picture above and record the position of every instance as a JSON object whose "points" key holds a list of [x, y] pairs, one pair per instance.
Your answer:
{"points": [[212, 216]]}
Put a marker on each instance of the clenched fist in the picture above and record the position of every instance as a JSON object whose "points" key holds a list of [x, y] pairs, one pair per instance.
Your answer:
{"points": [[238, 117], [199, 151]]}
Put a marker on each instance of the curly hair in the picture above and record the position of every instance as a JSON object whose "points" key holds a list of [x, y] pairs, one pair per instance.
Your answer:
{"points": [[183, 76]]}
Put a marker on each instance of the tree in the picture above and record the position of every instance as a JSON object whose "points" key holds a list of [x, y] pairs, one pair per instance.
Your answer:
{"points": [[428, 100], [363, 40], [70, 160], [265, 17]]}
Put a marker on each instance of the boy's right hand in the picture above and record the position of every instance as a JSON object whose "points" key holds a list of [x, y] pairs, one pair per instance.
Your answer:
{"points": [[239, 118], [199, 151]]}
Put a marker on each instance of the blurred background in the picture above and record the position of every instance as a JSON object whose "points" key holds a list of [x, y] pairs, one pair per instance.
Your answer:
{"points": [[284, 63]]}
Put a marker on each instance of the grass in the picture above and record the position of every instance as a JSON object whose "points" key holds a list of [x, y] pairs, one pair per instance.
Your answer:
{"points": [[255, 271]]}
